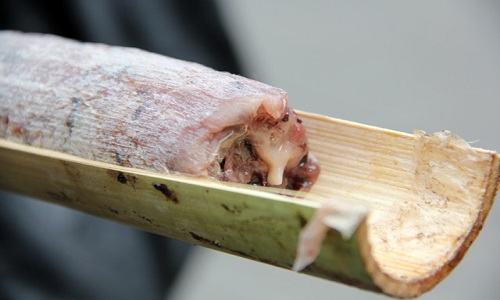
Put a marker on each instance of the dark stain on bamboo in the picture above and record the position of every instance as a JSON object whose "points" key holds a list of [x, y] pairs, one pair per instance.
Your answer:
{"points": [[59, 197], [165, 190], [218, 245], [62, 197], [146, 219], [114, 211], [204, 240], [302, 220], [233, 210], [121, 178]]}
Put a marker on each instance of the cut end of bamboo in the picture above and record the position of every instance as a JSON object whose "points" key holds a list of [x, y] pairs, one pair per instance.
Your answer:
{"points": [[429, 195]]}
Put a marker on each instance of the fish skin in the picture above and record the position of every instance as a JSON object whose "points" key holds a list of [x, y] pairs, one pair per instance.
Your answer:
{"points": [[123, 105]]}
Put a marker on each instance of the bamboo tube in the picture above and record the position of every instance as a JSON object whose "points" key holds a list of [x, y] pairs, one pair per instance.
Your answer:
{"points": [[428, 197]]}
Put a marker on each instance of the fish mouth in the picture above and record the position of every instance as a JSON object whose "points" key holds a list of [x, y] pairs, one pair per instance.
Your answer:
{"points": [[269, 151]]}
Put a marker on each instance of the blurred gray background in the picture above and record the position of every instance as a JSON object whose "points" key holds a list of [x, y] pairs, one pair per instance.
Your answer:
{"points": [[401, 65]]}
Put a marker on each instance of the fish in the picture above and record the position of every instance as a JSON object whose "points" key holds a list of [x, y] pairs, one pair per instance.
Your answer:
{"points": [[143, 110]]}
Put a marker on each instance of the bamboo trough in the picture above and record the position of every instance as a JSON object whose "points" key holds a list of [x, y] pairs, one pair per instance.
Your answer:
{"points": [[427, 197]]}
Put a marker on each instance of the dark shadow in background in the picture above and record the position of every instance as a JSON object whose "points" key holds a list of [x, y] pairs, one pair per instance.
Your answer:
{"points": [[186, 29], [50, 252]]}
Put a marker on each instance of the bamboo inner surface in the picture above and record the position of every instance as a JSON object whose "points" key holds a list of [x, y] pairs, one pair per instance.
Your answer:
{"points": [[424, 196]]}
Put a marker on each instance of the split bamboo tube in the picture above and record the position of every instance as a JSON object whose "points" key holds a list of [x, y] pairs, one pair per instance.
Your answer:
{"points": [[427, 198]]}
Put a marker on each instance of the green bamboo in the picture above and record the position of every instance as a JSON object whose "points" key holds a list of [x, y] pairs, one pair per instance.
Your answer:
{"points": [[259, 224]]}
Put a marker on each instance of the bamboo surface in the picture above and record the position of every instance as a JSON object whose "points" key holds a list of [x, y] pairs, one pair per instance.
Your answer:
{"points": [[428, 197]]}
